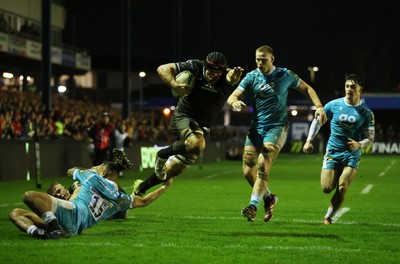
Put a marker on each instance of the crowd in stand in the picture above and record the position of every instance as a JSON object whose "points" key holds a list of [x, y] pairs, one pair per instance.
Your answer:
{"points": [[23, 116]]}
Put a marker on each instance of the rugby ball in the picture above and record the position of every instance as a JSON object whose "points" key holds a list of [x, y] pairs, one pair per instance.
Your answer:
{"points": [[185, 77]]}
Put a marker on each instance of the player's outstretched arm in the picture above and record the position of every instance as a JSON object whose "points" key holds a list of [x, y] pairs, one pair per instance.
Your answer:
{"points": [[151, 197]]}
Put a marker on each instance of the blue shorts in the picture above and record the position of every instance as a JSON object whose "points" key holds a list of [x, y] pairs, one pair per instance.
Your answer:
{"points": [[338, 159], [67, 215], [276, 135]]}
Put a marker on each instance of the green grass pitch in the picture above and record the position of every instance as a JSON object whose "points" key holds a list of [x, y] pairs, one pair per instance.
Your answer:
{"points": [[198, 220]]}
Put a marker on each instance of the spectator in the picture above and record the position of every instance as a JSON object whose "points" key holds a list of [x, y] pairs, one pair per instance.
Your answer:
{"points": [[101, 135]]}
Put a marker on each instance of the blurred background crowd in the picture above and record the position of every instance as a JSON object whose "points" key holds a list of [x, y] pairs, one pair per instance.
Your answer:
{"points": [[22, 113]]}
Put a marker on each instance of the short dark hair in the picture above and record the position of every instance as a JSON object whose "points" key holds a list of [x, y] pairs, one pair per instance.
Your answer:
{"points": [[52, 188], [216, 60], [354, 77]]}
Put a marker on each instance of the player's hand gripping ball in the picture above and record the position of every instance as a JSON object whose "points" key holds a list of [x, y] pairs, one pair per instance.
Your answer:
{"points": [[184, 77]]}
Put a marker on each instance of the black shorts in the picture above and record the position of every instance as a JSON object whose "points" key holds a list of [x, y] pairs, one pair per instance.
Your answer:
{"points": [[180, 122]]}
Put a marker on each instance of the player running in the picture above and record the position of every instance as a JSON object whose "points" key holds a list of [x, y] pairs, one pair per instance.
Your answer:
{"points": [[195, 113], [352, 127], [268, 87]]}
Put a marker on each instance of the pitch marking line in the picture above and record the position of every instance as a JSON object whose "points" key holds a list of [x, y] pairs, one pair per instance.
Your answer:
{"points": [[367, 189], [281, 220], [387, 168], [218, 174], [339, 213], [207, 177], [15, 204], [200, 246], [241, 246]]}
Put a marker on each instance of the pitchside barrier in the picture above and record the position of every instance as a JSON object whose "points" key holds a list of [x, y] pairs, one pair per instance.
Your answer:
{"points": [[21, 160]]}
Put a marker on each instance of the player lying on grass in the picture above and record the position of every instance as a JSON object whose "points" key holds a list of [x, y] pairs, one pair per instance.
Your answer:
{"points": [[352, 127], [121, 161], [95, 200]]}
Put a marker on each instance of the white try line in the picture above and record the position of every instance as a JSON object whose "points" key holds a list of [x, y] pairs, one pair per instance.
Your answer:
{"points": [[367, 189], [387, 168]]}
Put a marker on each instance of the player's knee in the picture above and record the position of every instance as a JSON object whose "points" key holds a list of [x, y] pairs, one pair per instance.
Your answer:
{"points": [[177, 165], [28, 197], [14, 214], [249, 158], [270, 150], [326, 188], [196, 144]]}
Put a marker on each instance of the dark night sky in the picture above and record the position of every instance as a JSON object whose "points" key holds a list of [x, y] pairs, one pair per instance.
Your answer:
{"points": [[357, 36]]}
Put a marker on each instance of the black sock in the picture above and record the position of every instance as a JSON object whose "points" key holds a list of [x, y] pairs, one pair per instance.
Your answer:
{"points": [[54, 225], [153, 180], [178, 147]]}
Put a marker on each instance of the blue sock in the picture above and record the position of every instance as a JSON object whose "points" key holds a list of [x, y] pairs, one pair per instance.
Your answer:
{"points": [[255, 199]]}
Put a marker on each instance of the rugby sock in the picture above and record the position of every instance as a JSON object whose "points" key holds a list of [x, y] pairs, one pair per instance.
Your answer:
{"points": [[178, 147], [51, 220], [37, 232], [31, 229], [153, 180], [255, 200], [329, 213]]}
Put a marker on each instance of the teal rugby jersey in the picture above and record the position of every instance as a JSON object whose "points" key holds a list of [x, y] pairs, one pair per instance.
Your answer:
{"points": [[347, 121], [97, 200], [268, 93]]}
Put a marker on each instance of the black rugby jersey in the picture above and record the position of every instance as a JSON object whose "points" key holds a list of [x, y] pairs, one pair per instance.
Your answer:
{"points": [[205, 101]]}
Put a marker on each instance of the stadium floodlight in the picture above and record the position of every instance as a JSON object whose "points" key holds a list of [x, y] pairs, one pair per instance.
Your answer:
{"points": [[8, 75], [62, 89]]}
